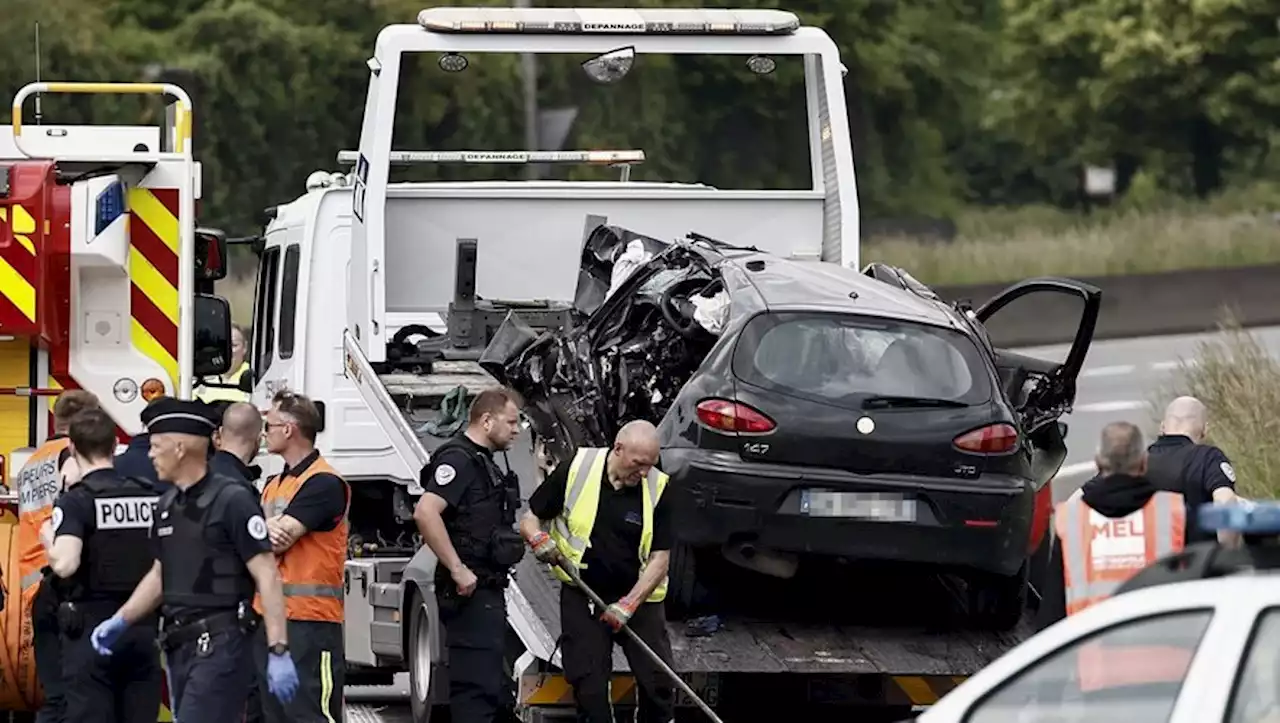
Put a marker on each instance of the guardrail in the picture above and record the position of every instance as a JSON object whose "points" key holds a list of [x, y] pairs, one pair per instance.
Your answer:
{"points": [[1176, 302]]}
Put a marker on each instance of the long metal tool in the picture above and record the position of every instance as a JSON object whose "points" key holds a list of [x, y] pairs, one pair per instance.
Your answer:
{"points": [[635, 637]]}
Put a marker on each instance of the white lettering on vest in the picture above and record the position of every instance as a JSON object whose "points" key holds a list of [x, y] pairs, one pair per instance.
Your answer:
{"points": [[38, 485], [125, 513], [1118, 543]]}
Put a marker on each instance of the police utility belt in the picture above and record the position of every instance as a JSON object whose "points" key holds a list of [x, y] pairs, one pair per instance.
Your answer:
{"points": [[177, 633]]}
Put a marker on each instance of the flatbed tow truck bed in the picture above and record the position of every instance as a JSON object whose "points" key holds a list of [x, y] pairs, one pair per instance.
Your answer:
{"points": [[850, 636]]}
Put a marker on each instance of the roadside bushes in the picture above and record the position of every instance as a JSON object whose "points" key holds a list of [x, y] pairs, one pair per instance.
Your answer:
{"points": [[1236, 376]]}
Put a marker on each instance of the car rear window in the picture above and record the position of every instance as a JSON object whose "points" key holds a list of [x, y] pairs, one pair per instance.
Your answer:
{"points": [[845, 358]]}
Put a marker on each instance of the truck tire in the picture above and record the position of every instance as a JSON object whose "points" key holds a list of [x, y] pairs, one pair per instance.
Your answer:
{"points": [[997, 602], [681, 582], [422, 666]]}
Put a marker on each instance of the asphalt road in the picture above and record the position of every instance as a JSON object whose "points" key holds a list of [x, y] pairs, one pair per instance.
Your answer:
{"points": [[1121, 380]]}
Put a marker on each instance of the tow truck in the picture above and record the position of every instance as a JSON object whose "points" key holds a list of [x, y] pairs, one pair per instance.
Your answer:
{"points": [[105, 283], [376, 300], [1210, 613]]}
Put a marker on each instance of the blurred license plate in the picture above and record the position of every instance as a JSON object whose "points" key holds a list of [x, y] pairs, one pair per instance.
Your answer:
{"points": [[862, 505]]}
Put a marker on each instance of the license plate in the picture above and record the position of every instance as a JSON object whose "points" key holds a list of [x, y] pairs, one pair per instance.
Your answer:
{"points": [[862, 505]]}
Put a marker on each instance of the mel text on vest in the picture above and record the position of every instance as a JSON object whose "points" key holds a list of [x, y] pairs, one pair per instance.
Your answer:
{"points": [[1117, 543], [124, 513]]}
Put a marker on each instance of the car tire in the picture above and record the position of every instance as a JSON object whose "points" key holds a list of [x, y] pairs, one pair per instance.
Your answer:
{"points": [[997, 602], [682, 582], [421, 663]]}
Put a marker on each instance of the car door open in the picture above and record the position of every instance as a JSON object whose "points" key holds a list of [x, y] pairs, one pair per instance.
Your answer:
{"points": [[1042, 388]]}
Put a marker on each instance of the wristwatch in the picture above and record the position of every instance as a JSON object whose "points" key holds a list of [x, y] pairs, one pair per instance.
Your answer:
{"points": [[278, 649]]}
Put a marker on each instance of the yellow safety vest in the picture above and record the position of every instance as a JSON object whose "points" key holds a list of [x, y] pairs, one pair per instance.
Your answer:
{"points": [[572, 529], [218, 394]]}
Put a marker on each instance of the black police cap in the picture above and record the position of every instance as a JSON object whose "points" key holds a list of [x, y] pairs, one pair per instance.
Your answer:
{"points": [[176, 415]]}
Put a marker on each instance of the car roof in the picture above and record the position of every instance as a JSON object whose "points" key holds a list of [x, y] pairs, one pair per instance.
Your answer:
{"points": [[789, 285]]}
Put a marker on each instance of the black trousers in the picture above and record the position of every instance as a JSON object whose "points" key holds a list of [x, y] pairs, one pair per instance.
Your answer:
{"points": [[47, 644], [121, 688], [318, 654], [211, 685], [587, 650], [475, 633]]}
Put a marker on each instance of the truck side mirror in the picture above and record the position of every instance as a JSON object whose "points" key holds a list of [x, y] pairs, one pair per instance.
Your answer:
{"points": [[211, 254], [212, 355]]}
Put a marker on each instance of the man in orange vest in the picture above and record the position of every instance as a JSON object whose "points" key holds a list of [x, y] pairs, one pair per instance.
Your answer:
{"points": [[306, 507], [40, 482], [1111, 528]]}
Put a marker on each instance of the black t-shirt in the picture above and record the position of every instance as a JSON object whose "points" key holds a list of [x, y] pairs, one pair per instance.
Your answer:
{"points": [[1176, 464], [321, 501], [236, 525], [612, 561]]}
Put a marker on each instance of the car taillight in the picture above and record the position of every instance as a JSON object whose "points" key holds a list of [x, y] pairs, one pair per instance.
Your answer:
{"points": [[727, 416], [992, 439]]}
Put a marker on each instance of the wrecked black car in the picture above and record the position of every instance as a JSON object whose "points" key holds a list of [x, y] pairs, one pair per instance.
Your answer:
{"points": [[808, 409]]}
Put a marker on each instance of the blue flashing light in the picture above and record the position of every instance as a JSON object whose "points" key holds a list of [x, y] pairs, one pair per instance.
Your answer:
{"points": [[110, 206], [1246, 517]]}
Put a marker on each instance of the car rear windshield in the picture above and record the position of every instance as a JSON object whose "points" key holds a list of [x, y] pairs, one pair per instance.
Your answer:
{"points": [[841, 358]]}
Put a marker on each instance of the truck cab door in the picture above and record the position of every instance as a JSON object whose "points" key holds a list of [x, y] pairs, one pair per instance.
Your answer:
{"points": [[1042, 386], [366, 277]]}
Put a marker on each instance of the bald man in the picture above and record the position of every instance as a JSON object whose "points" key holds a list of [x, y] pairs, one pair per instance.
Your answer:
{"points": [[237, 443], [1181, 462], [609, 519]]}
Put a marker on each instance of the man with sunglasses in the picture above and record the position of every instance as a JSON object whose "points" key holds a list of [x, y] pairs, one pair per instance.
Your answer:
{"points": [[306, 507]]}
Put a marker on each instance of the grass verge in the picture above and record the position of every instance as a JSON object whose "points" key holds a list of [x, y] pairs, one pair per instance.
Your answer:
{"points": [[1239, 380], [1236, 229]]}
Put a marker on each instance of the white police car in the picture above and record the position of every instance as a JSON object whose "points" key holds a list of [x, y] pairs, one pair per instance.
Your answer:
{"points": [[1211, 616]]}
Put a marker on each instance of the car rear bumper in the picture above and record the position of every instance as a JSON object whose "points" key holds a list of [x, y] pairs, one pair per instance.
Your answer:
{"points": [[981, 524]]}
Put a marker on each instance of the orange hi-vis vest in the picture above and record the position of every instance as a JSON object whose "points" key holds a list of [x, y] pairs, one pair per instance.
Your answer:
{"points": [[1099, 554], [39, 484], [312, 570]]}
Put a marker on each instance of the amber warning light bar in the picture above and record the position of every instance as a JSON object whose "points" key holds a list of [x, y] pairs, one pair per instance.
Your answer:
{"points": [[615, 21], [409, 158]]}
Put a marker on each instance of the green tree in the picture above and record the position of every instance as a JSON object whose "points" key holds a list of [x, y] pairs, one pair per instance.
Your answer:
{"points": [[1125, 79]]}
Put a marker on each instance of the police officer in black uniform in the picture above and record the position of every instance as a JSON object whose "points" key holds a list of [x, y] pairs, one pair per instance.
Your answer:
{"points": [[135, 460], [466, 516], [211, 551], [98, 526], [1179, 461], [236, 443]]}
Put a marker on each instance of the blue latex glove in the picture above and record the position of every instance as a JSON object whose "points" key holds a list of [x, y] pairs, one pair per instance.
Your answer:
{"points": [[107, 633], [282, 677]]}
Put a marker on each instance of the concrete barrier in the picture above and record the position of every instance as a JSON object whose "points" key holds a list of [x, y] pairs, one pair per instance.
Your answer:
{"points": [[1178, 302]]}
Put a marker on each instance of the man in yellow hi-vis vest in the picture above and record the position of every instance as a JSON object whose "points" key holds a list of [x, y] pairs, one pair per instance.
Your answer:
{"points": [[609, 519]]}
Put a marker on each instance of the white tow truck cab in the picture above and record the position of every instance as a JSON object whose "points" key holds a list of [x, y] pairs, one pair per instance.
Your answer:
{"points": [[1193, 637], [356, 269]]}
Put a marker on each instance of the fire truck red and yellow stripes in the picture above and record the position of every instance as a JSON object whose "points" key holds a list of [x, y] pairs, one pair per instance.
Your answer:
{"points": [[153, 268], [18, 269]]}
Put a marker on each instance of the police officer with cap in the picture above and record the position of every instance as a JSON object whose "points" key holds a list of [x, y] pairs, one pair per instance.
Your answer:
{"points": [[466, 516], [93, 538], [211, 551]]}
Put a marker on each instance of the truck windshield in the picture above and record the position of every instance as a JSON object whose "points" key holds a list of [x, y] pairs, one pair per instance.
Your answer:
{"points": [[728, 121]]}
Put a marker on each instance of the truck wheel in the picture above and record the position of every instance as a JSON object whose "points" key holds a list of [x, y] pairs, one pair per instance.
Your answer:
{"points": [[421, 664], [681, 582], [997, 602]]}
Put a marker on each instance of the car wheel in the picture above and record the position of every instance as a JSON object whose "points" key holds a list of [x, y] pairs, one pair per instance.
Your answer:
{"points": [[681, 582], [422, 665], [997, 602], [1038, 574]]}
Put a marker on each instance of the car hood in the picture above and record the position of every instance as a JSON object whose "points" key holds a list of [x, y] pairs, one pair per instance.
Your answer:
{"points": [[609, 256]]}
